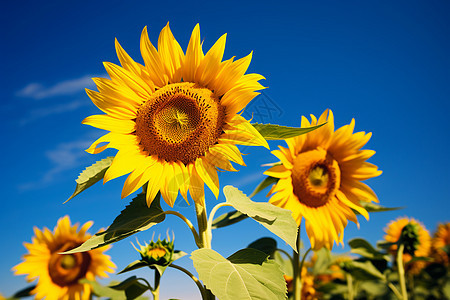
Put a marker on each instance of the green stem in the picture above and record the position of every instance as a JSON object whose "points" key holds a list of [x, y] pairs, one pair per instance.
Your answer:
{"points": [[394, 289], [401, 271], [303, 260], [285, 253], [349, 286], [204, 233], [189, 224], [155, 291], [197, 282], [297, 284]]}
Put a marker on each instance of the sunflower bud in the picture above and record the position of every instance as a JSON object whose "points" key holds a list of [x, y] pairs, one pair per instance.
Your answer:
{"points": [[410, 238], [157, 253]]}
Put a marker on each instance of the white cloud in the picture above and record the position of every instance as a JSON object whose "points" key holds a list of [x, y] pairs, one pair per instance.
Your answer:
{"points": [[67, 87], [65, 156], [43, 112]]}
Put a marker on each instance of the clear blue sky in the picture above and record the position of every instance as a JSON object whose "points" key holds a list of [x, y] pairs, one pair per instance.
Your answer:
{"points": [[384, 63]]}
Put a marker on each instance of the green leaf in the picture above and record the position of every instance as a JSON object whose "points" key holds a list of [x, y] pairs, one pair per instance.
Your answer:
{"points": [[91, 175], [365, 249], [247, 274], [362, 270], [373, 207], [131, 287], [277, 132], [268, 181], [278, 220], [374, 288], [266, 244], [323, 261], [22, 293], [285, 263], [229, 218], [137, 216], [133, 290]]}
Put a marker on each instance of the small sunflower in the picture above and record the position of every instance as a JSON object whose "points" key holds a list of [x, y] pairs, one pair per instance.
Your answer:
{"points": [[320, 179], [422, 247], [441, 239], [58, 274], [174, 120]]}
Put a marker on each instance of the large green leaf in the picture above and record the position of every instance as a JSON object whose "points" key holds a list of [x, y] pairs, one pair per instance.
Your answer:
{"points": [[365, 249], [278, 220], [235, 216], [91, 175], [362, 270], [137, 216], [245, 275], [126, 290], [277, 132], [266, 244], [285, 263]]}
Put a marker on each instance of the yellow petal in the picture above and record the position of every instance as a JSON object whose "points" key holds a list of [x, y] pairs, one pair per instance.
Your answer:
{"points": [[208, 174], [153, 61], [109, 123]]}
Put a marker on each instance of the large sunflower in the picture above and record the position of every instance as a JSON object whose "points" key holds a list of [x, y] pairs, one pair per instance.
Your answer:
{"points": [[441, 240], [393, 232], [320, 178], [174, 120], [58, 274]]}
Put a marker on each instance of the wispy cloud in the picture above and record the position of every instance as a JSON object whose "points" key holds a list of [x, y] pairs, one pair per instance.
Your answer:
{"points": [[65, 156], [43, 112], [67, 87]]}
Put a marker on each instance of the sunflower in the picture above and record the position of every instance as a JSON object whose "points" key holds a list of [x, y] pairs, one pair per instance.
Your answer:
{"points": [[320, 177], [58, 274], [422, 249], [174, 120], [441, 239]]}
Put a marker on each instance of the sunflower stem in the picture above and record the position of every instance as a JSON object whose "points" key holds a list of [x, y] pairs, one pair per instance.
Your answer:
{"points": [[155, 290], [204, 233], [297, 284], [349, 286], [401, 271], [195, 279], [189, 224], [395, 290]]}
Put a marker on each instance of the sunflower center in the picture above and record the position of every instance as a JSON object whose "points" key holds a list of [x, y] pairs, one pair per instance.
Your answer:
{"points": [[156, 253], [315, 177], [67, 269], [180, 122]]}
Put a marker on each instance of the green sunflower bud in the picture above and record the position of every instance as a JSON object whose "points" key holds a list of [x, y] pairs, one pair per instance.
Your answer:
{"points": [[410, 238], [157, 253]]}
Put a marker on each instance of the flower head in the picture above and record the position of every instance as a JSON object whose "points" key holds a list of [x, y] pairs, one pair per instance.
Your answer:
{"points": [[320, 178], [440, 244], [157, 253], [416, 238], [174, 119], [59, 274]]}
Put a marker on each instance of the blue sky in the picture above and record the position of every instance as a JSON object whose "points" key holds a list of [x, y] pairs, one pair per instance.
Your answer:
{"points": [[384, 64]]}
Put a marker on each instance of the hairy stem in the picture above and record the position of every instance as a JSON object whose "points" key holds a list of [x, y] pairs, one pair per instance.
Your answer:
{"points": [[401, 271]]}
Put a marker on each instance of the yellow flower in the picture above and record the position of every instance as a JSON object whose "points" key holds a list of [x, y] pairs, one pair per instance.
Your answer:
{"points": [[58, 274], [320, 179], [174, 120], [393, 232], [441, 239]]}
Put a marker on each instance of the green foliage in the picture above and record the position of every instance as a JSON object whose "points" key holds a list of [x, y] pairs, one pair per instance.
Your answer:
{"points": [[278, 220], [227, 219], [137, 216], [365, 249], [127, 290], [235, 216], [373, 207], [323, 261], [362, 270], [91, 175], [247, 274], [284, 263], [266, 244], [268, 181], [26, 292], [277, 132]]}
